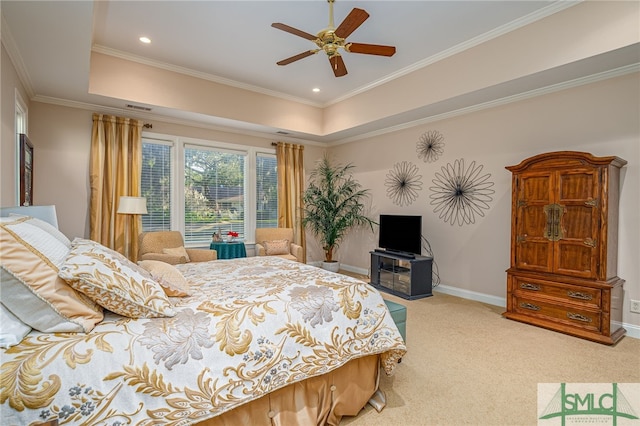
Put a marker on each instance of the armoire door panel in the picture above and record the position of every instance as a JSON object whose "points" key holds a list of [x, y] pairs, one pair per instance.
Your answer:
{"points": [[534, 255], [579, 222], [535, 187], [531, 221], [574, 258], [577, 185]]}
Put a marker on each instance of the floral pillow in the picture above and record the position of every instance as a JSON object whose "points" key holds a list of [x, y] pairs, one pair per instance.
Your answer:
{"points": [[276, 247], [113, 281], [172, 281]]}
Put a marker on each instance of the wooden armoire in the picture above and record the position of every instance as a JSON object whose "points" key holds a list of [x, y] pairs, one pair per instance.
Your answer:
{"points": [[564, 237]]}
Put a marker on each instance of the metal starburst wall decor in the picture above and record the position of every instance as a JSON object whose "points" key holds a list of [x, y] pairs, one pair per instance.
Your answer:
{"points": [[403, 183], [430, 146], [460, 193]]}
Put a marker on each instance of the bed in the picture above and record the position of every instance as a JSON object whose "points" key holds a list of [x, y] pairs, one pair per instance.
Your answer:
{"points": [[258, 340]]}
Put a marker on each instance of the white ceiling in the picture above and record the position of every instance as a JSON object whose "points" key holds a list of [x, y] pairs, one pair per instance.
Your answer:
{"points": [[50, 42]]}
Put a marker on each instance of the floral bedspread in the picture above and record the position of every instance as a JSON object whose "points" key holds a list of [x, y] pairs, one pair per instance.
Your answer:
{"points": [[252, 325]]}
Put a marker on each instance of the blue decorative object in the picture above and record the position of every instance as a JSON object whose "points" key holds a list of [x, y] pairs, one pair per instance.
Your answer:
{"points": [[229, 250]]}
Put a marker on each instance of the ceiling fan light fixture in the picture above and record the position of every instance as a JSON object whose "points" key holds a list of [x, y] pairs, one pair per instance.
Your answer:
{"points": [[332, 39]]}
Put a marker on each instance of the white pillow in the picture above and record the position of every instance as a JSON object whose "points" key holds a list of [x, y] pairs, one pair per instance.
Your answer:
{"points": [[12, 330], [45, 226], [113, 281]]}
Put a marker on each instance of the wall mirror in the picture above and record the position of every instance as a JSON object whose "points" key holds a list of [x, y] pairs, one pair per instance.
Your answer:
{"points": [[26, 171]]}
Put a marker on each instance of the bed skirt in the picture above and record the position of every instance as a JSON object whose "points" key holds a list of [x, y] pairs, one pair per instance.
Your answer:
{"points": [[321, 400]]}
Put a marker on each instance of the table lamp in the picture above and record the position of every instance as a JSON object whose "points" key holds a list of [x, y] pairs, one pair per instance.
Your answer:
{"points": [[130, 206]]}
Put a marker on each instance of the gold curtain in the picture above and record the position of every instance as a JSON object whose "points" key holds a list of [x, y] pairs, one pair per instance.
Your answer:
{"points": [[290, 160], [115, 170]]}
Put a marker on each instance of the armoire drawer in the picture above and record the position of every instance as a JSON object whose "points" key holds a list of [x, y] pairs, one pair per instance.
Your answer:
{"points": [[571, 293], [583, 318]]}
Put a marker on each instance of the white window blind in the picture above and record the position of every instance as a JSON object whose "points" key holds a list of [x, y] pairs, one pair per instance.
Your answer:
{"points": [[266, 191], [156, 185]]}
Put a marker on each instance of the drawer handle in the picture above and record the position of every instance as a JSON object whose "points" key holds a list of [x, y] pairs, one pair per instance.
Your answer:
{"points": [[528, 286], [578, 317], [530, 306], [579, 295]]}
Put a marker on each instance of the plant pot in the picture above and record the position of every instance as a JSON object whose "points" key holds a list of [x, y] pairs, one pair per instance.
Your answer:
{"points": [[332, 266]]}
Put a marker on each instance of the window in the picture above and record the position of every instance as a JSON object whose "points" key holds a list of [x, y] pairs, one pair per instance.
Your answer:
{"points": [[266, 191], [156, 184], [200, 187], [214, 197]]}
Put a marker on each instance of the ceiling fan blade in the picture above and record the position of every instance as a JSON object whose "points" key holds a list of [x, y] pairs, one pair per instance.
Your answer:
{"points": [[370, 49], [297, 57], [351, 22], [293, 31], [337, 65]]}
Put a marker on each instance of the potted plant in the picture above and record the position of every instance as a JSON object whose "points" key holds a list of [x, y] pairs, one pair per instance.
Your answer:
{"points": [[333, 204]]}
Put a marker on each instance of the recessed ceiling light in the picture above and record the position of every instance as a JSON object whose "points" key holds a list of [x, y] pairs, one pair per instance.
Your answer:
{"points": [[145, 40], [315, 90]]}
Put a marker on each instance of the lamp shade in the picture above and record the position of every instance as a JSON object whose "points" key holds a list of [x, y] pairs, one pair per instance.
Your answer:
{"points": [[132, 205]]}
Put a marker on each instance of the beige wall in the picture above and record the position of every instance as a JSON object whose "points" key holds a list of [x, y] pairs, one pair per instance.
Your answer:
{"points": [[10, 83], [62, 142], [601, 118]]}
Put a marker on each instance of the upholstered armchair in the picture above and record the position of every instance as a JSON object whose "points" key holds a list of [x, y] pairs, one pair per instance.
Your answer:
{"points": [[168, 246], [277, 242]]}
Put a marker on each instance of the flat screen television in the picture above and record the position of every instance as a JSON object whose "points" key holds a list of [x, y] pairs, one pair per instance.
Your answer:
{"points": [[400, 234]]}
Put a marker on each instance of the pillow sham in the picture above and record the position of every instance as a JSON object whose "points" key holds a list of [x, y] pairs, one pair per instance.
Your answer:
{"points": [[30, 259], [276, 247], [12, 330], [172, 281], [177, 251], [45, 226], [113, 281]]}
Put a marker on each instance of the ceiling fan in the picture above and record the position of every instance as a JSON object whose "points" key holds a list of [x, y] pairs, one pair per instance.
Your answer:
{"points": [[331, 39]]}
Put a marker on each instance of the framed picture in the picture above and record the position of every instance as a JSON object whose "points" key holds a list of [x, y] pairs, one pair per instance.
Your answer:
{"points": [[26, 171]]}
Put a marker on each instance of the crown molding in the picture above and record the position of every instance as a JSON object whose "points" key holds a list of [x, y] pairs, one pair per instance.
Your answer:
{"points": [[171, 120], [430, 119], [553, 8], [605, 75], [16, 59], [198, 74]]}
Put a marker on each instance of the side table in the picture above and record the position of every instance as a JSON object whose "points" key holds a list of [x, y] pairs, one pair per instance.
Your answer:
{"points": [[229, 250]]}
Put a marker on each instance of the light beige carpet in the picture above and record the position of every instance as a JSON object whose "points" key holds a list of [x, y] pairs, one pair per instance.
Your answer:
{"points": [[466, 365]]}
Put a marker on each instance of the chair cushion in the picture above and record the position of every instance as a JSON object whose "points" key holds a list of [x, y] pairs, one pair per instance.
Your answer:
{"points": [[177, 251], [276, 247]]}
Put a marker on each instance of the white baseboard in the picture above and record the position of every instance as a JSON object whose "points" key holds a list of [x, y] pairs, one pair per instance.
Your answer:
{"points": [[355, 270], [633, 331], [471, 295]]}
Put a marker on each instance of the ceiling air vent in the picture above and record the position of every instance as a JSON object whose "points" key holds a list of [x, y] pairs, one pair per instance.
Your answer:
{"points": [[138, 107]]}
